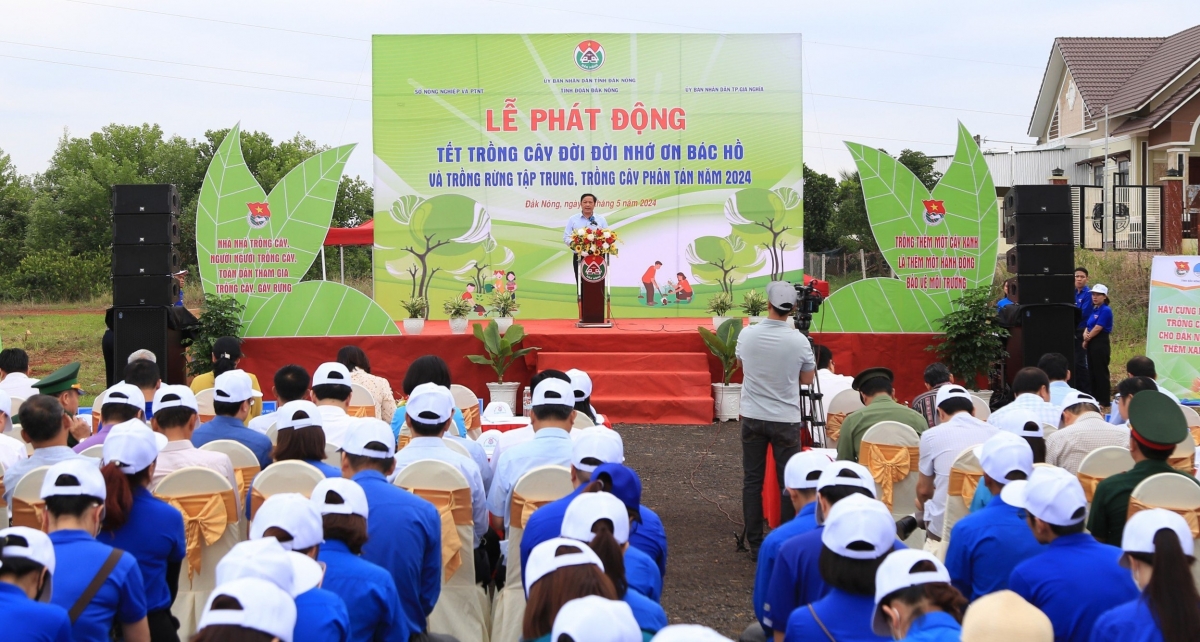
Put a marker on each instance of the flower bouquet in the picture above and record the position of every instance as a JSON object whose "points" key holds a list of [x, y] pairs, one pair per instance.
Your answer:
{"points": [[593, 241]]}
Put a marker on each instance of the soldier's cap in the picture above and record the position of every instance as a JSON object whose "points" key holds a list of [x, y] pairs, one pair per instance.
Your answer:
{"points": [[871, 373], [1157, 421], [63, 379]]}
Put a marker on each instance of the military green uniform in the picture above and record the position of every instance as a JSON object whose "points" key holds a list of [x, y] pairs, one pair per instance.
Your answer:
{"points": [[1162, 425], [881, 408], [57, 382]]}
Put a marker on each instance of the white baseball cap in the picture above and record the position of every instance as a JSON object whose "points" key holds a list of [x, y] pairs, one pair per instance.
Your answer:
{"points": [[287, 415], [86, 481], [125, 393], [1016, 422], [596, 619], [601, 444], [804, 469], [175, 396], [895, 573], [132, 445], [688, 633], [1138, 536], [846, 473], [1052, 495], [1100, 288], [782, 295], [5, 403], [293, 513], [430, 403], [265, 608], [581, 383], [552, 391], [588, 508], [234, 386], [331, 373], [951, 391], [33, 545], [267, 559], [544, 560], [366, 430], [1004, 453], [862, 521], [339, 496], [1074, 397]]}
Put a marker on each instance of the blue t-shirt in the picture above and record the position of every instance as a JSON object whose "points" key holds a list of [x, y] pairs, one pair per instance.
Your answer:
{"points": [[1081, 581], [935, 626], [1003, 303], [649, 536], [641, 573], [153, 535], [222, 427], [405, 538], [649, 615], [1131, 622], [1103, 317], [1083, 301], [330, 471], [847, 617], [78, 557], [369, 593], [320, 617], [30, 621], [980, 500], [805, 520], [986, 546]]}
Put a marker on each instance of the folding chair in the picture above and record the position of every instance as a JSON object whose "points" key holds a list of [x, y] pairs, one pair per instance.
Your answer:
{"points": [[582, 421], [842, 404], [27, 504], [333, 455], [245, 462], [457, 447], [1048, 430], [965, 476], [1175, 493], [1100, 464], [12, 429], [468, 402], [982, 411], [1184, 457], [95, 452], [273, 434], [204, 401], [362, 403], [891, 452], [288, 476]]}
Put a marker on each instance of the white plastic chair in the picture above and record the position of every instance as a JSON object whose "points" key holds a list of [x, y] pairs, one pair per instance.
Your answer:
{"points": [[95, 452], [1184, 456], [10, 428], [467, 401], [362, 403], [273, 434], [846, 401], [1172, 492], [1192, 417], [204, 402], [288, 476], [457, 447], [982, 411], [27, 499], [957, 506], [904, 492], [1100, 464], [582, 421], [1048, 430]]}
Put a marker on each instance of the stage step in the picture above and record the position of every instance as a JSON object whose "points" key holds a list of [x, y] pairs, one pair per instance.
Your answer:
{"points": [[643, 387]]}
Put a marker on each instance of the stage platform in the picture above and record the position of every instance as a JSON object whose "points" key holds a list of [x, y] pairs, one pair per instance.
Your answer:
{"points": [[653, 371]]}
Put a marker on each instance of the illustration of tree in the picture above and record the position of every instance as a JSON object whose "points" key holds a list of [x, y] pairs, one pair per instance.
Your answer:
{"points": [[770, 219], [439, 231], [487, 257], [725, 260]]}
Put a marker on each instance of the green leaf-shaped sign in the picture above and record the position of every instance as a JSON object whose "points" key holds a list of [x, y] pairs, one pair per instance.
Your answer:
{"points": [[938, 244], [318, 309]]}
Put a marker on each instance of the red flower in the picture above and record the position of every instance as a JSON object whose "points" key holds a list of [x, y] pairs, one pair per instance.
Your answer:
{"points": [[260, 209]]}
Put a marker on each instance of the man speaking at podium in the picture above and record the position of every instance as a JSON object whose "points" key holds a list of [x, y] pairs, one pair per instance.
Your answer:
{"points": [[588, 218]]}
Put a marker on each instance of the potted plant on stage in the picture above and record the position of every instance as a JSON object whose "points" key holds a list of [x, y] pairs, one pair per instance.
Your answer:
{"points": [[502, 305], [723, 345], [500, 355], [457, 309], [719, 305], [972, 342], [754, 304], [416, 309]]}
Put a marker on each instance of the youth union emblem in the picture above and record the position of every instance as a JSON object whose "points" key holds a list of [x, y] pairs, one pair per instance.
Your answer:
{"points": [[1182, 267], [589, 55], [935, 212], [259, 214]]}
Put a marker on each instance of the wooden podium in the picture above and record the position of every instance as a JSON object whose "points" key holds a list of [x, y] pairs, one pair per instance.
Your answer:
{"points": [[593, 293]]}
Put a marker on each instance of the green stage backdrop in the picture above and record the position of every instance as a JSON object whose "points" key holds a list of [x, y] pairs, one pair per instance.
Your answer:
{"points": [[484, 144], [1173, 325]]}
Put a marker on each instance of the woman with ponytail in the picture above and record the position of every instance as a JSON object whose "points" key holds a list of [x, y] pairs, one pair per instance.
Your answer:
{"points": [[140, 524], [914, 600], [1159, 553], [602, 521], [226, 355]]}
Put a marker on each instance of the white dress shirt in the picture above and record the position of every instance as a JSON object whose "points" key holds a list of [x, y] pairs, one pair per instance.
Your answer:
{"points": [[336, 422], [1024, 404], [940, 446], [479, 456], [548, 446], [578, 221], [262, 423], [40, 457], [11, 451], [435, 448], [17, 384], [831, 384], [181, 454]]}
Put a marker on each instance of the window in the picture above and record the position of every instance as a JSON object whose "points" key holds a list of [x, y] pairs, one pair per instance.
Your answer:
{"points": [[1122, 175], [1098, 175]]}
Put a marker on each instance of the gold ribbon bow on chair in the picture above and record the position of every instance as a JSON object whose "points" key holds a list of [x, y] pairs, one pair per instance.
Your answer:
{"points": [[28, 514], [520, 509], [454, 509], [833, 425], [1185, 463], [1190, 515], [1089, 483], [244, 476], [256, 501], [963, 484], [205, 517], [889, 464], [471, 418]]}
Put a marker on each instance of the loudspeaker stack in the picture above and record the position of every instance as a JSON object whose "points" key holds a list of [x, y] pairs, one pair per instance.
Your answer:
{"points": [[144, 262], [1037, 223]]}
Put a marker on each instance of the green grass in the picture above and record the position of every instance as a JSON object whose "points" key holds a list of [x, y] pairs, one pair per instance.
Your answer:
{"points": [[55, 335]]}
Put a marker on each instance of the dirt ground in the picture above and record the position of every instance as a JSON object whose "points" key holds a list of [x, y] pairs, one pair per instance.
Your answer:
{"points": [[708, 581]]}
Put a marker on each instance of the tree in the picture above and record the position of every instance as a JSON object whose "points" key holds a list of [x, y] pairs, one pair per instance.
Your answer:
{"points": [[355, 206], [486, 258], [851, 228], [437, 232], [16, 195], [921, 167], [724, 260], [770, 219], [820, 207]]}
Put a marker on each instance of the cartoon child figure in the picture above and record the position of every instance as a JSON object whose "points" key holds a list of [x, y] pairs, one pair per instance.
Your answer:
{"points": [[511, 279], [497, 280], [683, 291], [469, 296]]}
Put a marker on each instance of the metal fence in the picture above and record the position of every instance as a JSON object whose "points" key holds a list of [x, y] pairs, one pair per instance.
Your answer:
{"points": [[1129, 219]]}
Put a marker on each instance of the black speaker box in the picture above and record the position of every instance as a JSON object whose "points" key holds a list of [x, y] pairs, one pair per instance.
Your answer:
{"points": [[1046, 289], [1037, 199], [150, 329], [156, 290], [140, 260], [145, 229], [1045, 229], [1048, 328], [1041, 259], [145, 199]]}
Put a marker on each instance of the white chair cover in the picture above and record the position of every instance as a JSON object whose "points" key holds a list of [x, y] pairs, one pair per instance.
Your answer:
{"points": [[288, 476], [1100, 464], [333, 455], [9, 427], [982, 411], [1193, 417], [1175, 493], [965, 476], [1184, 457], [204, 401], [457, 447], [582, 421], [467, 401], [362, 403], [462, 607], [273, 434], [95, 452], [27, 499], [845, 401], [903, 491], [1048, 430], [539, 486]]}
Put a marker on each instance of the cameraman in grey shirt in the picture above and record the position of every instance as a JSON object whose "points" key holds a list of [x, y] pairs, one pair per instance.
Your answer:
{"points": [[775, 360]]}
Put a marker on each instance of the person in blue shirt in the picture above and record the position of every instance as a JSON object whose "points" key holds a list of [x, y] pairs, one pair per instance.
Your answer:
{"points": [[1095, 341], [1158, 551], [601, 521], [1058, 371], [914, 601], [26, 569], [646, 531], [587, 217], [1081, 378], [74, 493], [368, 591], [858, 535], [986, 546], [142, 525], [561, 570], [1006, 300], [1075, 579], [404, 533], [800, 478], [233, 395]]}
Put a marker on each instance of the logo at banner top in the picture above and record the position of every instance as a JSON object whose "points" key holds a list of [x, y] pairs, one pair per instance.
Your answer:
{"points": [[935, 211], [589, 55], [594, 269], [1196, 268], [259, 215], [1182, 267]]}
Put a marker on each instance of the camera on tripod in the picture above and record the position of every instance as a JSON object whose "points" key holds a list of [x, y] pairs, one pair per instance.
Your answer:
{"points": [[808, 303]]}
